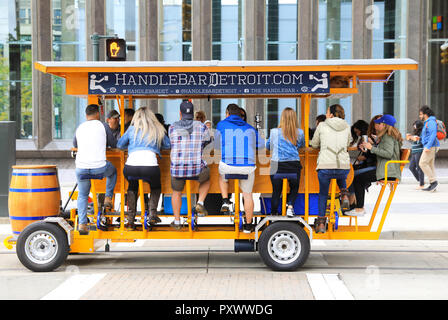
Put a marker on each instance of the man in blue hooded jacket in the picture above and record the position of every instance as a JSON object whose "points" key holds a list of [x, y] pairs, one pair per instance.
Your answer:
{"points": [[431, 146], [237, 141]]}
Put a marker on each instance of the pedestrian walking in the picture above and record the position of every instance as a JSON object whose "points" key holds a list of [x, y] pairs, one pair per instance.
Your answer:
{"points": [[431, 146], [416, 153]]}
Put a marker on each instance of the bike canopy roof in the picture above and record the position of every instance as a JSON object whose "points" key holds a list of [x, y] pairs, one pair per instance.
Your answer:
{"points": [[222, 79]]}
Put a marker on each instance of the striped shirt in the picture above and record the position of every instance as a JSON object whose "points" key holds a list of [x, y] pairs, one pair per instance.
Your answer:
{"points": [[186, 148]]}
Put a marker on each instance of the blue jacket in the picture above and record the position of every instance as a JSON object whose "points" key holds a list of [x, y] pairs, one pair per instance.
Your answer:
{"points": [[127, 141], [283, 149], [237, 141], [429, 133]]}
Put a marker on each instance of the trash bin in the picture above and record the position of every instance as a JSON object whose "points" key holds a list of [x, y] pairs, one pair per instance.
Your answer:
{"points": [[7, 160]]}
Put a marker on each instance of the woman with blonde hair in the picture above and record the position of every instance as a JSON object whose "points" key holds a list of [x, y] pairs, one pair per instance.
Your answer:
{"points": [[389, 142], [332, 137], [284, 143], [143, 139]]}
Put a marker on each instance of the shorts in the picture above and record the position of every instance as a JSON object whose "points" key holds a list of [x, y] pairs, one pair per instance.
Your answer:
{"points": [[178, 184], [245, 185]]}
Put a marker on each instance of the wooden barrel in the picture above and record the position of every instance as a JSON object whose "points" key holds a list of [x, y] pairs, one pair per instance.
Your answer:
{"points": [[34, 194]]}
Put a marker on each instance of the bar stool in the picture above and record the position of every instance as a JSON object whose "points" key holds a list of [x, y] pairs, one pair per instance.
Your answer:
{"points": [[285, 177], [96, 212], [191, 216], [335, 208], [237, 217], [141, 194]]}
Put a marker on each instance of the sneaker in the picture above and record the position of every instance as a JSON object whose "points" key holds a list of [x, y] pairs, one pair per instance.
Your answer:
{"points": [[108, 203], [200, 210], [320, 225], [355, 213], [83, 229], [226, 207], [248, 227], [432, 187], [153, 219], [420, 188], [175, 225], [290, 211]]}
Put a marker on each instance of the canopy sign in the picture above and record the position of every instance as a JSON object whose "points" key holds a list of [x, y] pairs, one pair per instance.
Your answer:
{"points": [[208, 83]]}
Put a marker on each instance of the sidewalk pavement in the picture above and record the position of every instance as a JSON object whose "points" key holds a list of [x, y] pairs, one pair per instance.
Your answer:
{"points": [[413, 215]]}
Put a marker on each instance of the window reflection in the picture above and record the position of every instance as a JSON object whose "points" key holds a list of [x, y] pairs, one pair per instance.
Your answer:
{"points": [[437, 84], [175, 43], [281, 44], [69, 44], [389, 41], [122, 19], [335, 42], [16, 66], [227, 44]]}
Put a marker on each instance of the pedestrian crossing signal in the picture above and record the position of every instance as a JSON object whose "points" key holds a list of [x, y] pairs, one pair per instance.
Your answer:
{"points": [[116, 49]]}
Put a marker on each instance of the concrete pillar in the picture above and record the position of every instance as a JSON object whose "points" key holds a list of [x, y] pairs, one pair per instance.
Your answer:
{"points": [[42, 97], [361, 49], [201, 38], [308, 39], [95, 22], [254, 48], [417, 42], [149, 38]]}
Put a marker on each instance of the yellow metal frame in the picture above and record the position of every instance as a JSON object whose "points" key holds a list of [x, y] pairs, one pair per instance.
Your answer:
{"points": [[76, 84]]}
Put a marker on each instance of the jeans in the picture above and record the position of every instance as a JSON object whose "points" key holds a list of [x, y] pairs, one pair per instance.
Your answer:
{"points": [[325, 176], [108, 171], [415, 168]]}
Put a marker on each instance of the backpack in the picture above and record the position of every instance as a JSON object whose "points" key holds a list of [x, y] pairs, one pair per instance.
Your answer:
{"points": [[441, 130]]}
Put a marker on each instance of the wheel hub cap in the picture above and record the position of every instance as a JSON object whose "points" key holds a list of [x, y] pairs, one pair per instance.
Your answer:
{"points": [[41, 247], [284, 247]]}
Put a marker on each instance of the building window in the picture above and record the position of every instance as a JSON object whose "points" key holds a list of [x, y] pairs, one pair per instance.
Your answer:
{"points": [[69, 44], [16, 66], [335, 42], [437, 84], [389, 41], [122, 19], [281, 44], [175, 44], [227, 44]]}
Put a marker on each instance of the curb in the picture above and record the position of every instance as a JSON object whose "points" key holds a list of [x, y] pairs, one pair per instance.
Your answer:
{"points": [[414, 235]]}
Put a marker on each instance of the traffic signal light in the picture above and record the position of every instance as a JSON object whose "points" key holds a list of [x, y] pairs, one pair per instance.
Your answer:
{"points": [[444, 55], [116, 49]]}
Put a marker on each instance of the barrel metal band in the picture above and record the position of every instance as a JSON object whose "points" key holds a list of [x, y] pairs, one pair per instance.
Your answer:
{"points": [[34, 190]]}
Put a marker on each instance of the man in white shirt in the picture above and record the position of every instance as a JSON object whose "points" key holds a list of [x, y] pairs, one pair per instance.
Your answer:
{"points": [[91, 138]]}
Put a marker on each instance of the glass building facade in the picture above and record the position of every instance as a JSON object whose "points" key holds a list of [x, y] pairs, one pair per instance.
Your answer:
{"points": [[437, 84], [332, 25], [16, 65]]}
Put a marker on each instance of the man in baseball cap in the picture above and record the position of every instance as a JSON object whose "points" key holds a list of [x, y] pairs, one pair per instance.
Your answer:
{"points": [[187, 110], [113, 120], [188, 139]]}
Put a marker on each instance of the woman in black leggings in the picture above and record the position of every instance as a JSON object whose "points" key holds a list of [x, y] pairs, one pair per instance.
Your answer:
{"points": [[144, 139]]}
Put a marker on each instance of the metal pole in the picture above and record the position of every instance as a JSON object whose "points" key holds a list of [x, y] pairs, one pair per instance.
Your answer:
{"points": [[95, 46]]}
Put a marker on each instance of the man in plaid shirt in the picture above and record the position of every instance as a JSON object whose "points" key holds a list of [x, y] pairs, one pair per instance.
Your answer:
{"points": [[188, 139]]}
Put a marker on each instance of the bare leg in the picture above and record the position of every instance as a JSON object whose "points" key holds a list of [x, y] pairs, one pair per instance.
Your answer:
{"points": [[248, 206], [176, 202], [203, 190], [224, 187]]}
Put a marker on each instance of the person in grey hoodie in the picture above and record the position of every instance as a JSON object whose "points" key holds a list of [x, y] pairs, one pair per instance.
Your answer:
{"points": [[332, 137]]}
